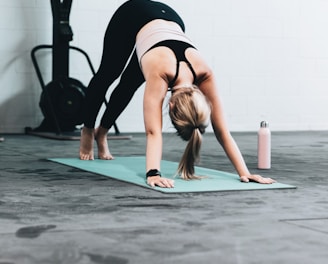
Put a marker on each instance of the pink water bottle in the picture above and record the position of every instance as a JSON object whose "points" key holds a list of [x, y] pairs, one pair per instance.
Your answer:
{"points": [[264, 146]]}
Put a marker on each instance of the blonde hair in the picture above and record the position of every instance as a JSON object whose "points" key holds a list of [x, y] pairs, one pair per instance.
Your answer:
{"points": [[190, 114]]}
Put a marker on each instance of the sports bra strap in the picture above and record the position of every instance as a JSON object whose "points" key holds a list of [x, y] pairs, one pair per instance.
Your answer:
{"points": [[171, 83], [179, 49]]}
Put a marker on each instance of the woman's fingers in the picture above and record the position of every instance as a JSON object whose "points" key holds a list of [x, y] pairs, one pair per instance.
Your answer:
{"points": [[160, 182], [244, 179], [257, 178]]}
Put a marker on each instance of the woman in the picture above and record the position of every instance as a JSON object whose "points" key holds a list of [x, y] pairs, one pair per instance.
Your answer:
{"points": [[166, 60]]}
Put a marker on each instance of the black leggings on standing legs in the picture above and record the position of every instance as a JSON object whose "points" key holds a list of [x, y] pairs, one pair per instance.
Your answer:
{"points": [[119, 43], [130, 81]]}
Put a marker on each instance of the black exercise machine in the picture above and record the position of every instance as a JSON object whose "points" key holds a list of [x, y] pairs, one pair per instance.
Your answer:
{"points": [[61, 100]]}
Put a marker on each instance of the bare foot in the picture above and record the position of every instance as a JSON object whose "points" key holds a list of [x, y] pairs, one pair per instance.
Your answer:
{"points": [[86, 143], [101, 139]]}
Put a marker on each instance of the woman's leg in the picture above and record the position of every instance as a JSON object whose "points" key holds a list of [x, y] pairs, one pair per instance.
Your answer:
{"points": [[119, 42], [130, 81], [132, 78]]}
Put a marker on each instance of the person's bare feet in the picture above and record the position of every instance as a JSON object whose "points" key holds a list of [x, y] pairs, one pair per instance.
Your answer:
{"points": [[102, 144], [86, 143]]}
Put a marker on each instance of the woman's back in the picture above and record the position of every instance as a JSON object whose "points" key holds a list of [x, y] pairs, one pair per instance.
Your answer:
{"points": [[162, 60]]}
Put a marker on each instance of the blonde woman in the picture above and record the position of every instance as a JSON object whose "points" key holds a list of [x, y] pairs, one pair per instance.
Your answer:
{"points": [[152, 35]]}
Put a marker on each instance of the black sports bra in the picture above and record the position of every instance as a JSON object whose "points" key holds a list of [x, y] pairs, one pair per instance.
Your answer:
{"points": [[178, 48]]}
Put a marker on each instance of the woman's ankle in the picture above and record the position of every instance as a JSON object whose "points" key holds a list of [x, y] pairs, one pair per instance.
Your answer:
{"points": [[101, 132], [88, 130]]}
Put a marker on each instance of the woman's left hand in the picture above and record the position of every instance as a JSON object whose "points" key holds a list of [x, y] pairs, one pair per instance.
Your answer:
{"points": [[256, 178]]}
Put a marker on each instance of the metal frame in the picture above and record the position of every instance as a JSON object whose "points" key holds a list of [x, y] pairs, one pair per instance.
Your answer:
{"points": [[62, 35]]}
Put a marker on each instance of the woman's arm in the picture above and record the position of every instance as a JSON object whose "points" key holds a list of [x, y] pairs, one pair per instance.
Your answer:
{"points": [[208, 87], [155, 91]]}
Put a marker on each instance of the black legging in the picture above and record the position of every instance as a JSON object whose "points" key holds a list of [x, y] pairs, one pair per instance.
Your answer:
{"points": [[119, 42]]}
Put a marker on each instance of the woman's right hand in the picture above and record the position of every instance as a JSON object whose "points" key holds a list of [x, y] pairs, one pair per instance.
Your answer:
{"points": [[160, 182]]}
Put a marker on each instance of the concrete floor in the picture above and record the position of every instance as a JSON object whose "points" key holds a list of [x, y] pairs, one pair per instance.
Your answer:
{"points": [[50, 213]]}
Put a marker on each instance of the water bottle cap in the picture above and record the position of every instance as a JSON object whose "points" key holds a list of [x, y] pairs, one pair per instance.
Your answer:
{"points": [[264, 124]]}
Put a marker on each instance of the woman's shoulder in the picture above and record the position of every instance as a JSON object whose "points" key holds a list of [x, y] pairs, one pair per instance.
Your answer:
{"points": [[160, 60]]}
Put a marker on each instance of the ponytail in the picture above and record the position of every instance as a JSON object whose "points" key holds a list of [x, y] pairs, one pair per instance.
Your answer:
{"points": [[190, 156], [190, 113]]}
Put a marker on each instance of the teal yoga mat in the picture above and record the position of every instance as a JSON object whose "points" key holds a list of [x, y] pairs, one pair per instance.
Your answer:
{"points": [[132, 170]]}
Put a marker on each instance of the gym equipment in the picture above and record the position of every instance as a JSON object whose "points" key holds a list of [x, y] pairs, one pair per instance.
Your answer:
{"points": [[61, 100], [132, 170]]}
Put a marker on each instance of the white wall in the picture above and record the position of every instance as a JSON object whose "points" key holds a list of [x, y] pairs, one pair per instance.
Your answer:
{"points": [[270, 58]]}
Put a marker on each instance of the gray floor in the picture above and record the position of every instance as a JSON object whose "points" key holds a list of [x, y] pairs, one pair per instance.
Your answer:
{"points": [[50, 213]]}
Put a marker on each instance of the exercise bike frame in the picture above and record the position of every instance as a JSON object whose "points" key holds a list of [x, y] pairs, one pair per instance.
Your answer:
{"points": [[43, 85], [62, 35]]}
